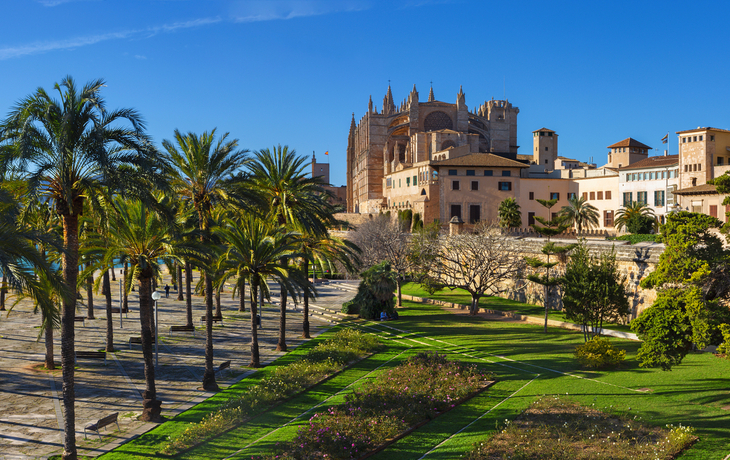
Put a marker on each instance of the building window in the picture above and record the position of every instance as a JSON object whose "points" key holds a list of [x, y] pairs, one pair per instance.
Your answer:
{"points": [[694, 182], [530, 218], [399, 184], [699, 166], [415, 180], [435, 175], [641, 197], [505, 186], [553, 216], [488, 172], [475, 213], [659, 198], [546, 161], [455, 211], [408, 181], [599, 195], [475, 185], [454, 185], [532, 195], [686, 168], [695, 138], [554, 195], [684, 140], [593, 196], [700, 138], [608, 218], [627, 198], [470, 172], [571, 196], [452, 172], [719, 161], [585, 195], [713, 211], [712, 138], [608, 194], [506, 173], [546, 149]]}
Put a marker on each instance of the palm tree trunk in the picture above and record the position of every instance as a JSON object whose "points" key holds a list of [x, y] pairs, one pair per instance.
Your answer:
{"points": [[253, 287], [48, 324], [218, 313], [125, 296], [151, 407], [114, 278], [2, 294], [179, 282], [398, 288], [109, 323], [241, 295], [209, 374], [90, 294], [281, 344], [70, 268], [188, 293], [305, 322]]}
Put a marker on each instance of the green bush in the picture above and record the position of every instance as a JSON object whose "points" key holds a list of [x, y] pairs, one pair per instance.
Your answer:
{"points": [[417, 222], [375, 293], [350, 308], [724, 347], [637, 238], [598, 352], [639, 224]]}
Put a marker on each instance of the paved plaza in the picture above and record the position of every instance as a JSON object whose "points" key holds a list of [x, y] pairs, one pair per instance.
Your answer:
{"points": [[31, 419]]}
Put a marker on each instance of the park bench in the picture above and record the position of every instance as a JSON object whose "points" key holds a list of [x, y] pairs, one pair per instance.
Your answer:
{"points": [[137, 340], [101, 423], [91, 355], [225, 365], [182, 329], [216, 319], [116, 310], [80, 319]]}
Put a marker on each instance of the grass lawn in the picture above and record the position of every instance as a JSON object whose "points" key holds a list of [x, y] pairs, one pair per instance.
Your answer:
{"points": [[496, 303], [528, 364]]}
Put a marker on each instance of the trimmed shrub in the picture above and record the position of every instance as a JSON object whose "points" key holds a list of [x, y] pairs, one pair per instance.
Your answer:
{"points": [[639, 224], [637, 238], [724, 347], [350, 308], [598, 352], [375, 293]]}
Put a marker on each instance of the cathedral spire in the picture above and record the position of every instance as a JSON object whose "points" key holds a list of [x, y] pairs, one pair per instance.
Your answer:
{"points": [[352, 125], [370, 106], [430, 95], [388, 105]]}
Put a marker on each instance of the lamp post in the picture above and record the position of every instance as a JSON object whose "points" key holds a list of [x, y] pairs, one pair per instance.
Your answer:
{"points": [[156, 296], [120, 304]]}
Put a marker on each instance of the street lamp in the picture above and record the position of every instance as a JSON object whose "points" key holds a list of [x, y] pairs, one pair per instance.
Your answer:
{"points": [[156, 296]]}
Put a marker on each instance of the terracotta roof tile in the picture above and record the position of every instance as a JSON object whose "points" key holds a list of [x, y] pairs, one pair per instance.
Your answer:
{"points": [[654, 162], [629, 142], [481, 159], [704, 189], [706, 128], [544, 129]]}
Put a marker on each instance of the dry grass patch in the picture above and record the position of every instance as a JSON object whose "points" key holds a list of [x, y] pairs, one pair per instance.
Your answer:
{"points": [[556, 428]]}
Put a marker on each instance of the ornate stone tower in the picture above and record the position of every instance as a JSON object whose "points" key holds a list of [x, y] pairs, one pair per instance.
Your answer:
{"points": [[545, 148]]}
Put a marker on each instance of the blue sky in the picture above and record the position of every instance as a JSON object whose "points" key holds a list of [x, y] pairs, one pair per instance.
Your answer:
{"points": [[293, 72]]}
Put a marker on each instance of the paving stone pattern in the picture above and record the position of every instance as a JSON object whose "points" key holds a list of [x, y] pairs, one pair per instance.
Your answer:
{"points": [[31, 421]]}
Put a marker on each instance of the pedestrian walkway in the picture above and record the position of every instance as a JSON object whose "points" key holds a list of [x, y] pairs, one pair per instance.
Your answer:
{"points": [[31, 419]]}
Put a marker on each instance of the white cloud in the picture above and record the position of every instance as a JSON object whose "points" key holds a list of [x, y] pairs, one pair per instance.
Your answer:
{"points": [[10, 52], [272, 10], [52, 3]]}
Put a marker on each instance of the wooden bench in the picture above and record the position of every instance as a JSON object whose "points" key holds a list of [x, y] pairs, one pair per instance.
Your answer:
{"points": [[138, 341], [101, 423], [182, 329], [91, 355], [225, 365], [80, 319], [116, 310], [216, 319]]}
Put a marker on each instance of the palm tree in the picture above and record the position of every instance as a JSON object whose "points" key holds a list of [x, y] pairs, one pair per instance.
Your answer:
{"points": [[295, 201], [256, 251], [70, 147], [201, 169], [580, 213], [324, 252], [632, 211], [143, 239], [509, 213]]}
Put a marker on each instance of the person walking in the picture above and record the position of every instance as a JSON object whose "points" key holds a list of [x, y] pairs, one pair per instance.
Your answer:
{"points": [[167, 291]]}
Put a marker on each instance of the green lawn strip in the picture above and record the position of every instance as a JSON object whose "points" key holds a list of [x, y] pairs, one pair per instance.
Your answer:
{"points": [[233, 440], [496, 303], [148, 444], [692, 394]]}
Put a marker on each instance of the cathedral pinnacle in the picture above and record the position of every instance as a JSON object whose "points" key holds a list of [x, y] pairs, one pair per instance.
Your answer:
{"points": [[430, 95]]}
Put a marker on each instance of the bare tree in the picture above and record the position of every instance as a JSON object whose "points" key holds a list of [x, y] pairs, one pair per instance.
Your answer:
{"points": [[481, 263], [386, 239]]}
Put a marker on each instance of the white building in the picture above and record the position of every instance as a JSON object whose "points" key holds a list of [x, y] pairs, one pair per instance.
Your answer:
{"points": [[651, 181]]}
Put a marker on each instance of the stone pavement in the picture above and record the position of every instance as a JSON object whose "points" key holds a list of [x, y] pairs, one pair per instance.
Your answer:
{"points": [[31, 419]]}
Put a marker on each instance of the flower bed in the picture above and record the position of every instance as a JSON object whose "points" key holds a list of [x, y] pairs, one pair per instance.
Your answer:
{"points": [[557, 428], [284, 382], [397, 400]]}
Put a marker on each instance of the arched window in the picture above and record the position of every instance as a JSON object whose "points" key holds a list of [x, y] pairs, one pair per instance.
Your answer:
{"points": [[437, 120]]}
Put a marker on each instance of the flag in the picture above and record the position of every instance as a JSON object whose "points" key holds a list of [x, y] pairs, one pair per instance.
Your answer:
{"points": [[665, 138], [327, 152]]}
